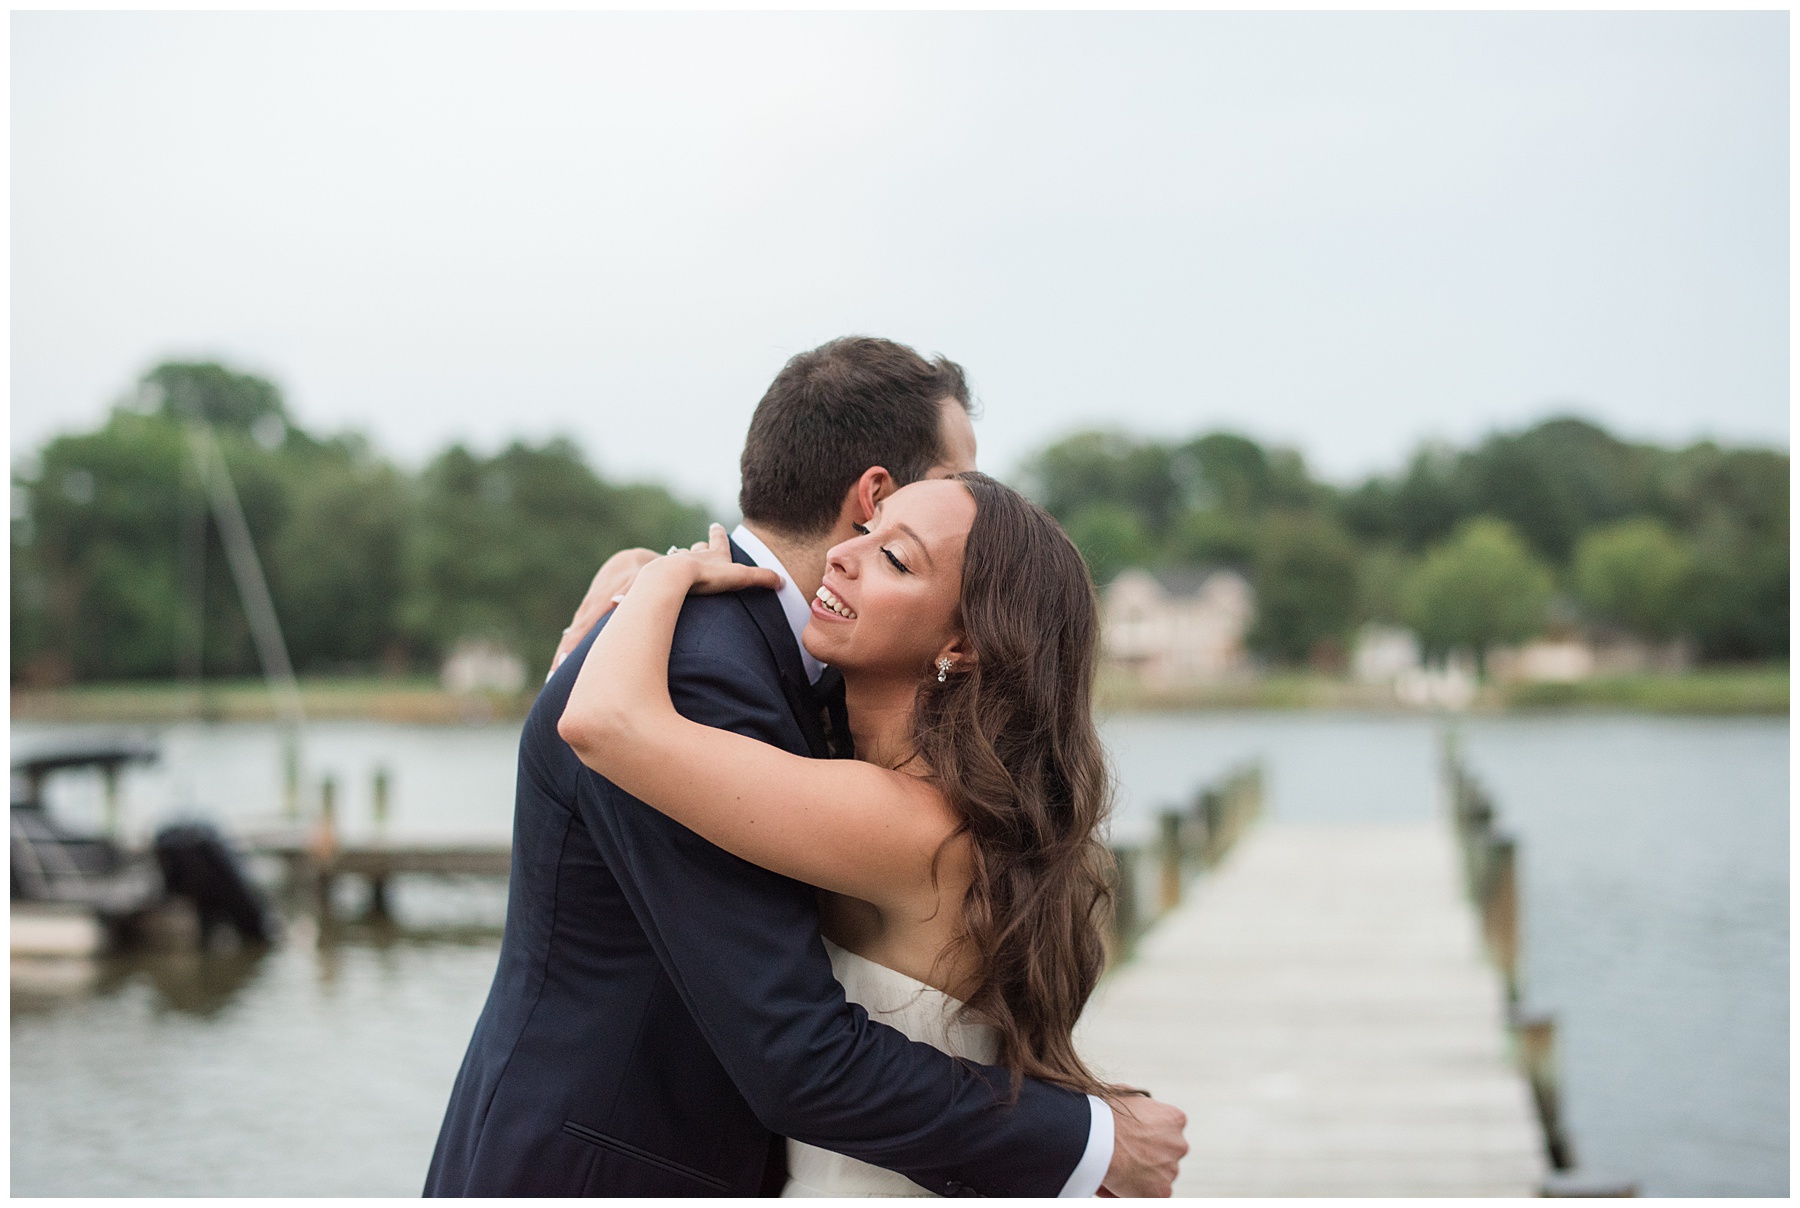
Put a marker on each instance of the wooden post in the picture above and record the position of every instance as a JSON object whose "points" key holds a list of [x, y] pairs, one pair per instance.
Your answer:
{"points": [[325, 880], [1228, 820], [378, 897], [1500, 909], [1238, 799], [324, 847], [1477, 856], [1171, 861], [379, 909], [1537, 1053], [381, 798], [1125, 922], [328, 815], [290, 779], [109, 774], [1490, 863], [1212, 821]]}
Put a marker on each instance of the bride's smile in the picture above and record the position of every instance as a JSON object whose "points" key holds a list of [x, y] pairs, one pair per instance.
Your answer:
{"points": [[888, 604]]}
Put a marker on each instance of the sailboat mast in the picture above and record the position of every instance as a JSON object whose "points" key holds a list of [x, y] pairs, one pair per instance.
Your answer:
{"points": [[259, 607]]}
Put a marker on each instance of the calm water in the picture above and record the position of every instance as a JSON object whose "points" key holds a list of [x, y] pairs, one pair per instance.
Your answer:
{"points": [[1656, 906]]}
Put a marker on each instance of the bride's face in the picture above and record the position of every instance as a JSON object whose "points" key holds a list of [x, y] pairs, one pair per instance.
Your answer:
{"points": [[889, 598]]}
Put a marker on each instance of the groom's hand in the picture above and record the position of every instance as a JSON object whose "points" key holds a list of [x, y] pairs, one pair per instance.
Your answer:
{"points": [[1147, 1148]]}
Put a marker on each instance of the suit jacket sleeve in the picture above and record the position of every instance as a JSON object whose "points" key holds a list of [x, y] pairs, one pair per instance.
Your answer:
{"points": [[741, 945]]}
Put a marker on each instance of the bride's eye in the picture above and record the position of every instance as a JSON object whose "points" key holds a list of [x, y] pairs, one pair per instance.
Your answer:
{"points": [[861, 528], [898, 565]]}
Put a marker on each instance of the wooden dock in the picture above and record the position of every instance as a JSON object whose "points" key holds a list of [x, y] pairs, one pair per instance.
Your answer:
{"points": [[315, 862], [1321, 1007], [377, 860]]}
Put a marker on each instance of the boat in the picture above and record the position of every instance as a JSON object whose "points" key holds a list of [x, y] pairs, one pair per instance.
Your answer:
{"points": [[78, 894]]}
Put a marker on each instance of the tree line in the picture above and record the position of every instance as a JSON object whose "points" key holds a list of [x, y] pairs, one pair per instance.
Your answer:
{"points": [[118, 572], [1558, 527]]}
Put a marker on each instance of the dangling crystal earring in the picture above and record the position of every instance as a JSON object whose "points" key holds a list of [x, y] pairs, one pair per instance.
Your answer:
{"points": [[943, 668]]}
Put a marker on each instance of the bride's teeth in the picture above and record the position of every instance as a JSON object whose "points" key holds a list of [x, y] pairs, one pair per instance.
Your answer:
{"points": [[824, 596]]}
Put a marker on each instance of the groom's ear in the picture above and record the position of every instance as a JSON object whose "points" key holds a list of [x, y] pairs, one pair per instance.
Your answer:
{"points": [[875, 485]]}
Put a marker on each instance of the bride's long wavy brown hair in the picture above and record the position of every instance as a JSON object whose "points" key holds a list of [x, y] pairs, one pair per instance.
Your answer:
{"points": [[1011, 743]]}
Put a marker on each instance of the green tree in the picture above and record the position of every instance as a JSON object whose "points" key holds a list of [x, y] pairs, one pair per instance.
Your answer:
{"points": [[1481, 588], [1415, 510], [1737, 604], [1226, 471], [337, 566], [99, 554], [102, 553], [1381, 575], [1305, 586], [1551, 482], [1731, 505], [504, 547], [1557, 479], [1111, 538], [1634, 574], [1214, 536], [1197, 502], [365, 565], [1107, 467], [228, 400], [1704, 490]]}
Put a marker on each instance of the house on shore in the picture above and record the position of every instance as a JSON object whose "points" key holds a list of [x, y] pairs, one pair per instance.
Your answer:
{"points": [[482, 665], [1178, 626], [1386, 654]]}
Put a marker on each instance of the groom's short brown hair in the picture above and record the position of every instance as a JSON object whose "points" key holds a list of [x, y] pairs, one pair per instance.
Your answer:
{"points": [[832, 413]]}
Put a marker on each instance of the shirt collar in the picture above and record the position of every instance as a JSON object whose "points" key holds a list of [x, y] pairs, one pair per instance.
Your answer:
{"points": [[793, 604]]}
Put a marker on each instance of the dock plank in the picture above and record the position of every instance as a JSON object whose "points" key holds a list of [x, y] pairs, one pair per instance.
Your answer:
{"points": [[1321, 1008]]}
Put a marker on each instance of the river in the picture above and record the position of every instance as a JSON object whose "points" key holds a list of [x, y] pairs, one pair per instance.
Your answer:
{"points": [[1654, 876]]}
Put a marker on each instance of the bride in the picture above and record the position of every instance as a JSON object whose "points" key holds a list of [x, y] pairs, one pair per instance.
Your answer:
{"points": [[960, 874]]}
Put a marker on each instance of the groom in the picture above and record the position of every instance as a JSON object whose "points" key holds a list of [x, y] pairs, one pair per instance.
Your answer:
{"points": [[664, 1013]]}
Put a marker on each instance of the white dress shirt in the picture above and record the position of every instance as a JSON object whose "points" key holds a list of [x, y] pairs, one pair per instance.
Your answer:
{"points": [[797, 607], [1091, 1170]]}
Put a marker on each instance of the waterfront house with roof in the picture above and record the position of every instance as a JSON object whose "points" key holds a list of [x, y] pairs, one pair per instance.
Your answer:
{"points": [[1178, 626]]}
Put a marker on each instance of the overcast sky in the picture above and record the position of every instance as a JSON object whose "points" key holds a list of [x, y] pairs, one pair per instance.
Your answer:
{"points": [[1342, 232]]}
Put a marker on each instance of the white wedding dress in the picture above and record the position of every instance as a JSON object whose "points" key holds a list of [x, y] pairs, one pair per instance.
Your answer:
{"points": [[924, 1013]]}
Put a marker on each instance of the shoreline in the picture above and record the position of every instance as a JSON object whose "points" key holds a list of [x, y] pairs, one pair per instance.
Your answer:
{"points": [[1760, 691], [402, 701], [1737, 691]]}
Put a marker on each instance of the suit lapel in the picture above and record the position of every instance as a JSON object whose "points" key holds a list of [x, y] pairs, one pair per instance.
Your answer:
{"points": [[765, 609]]}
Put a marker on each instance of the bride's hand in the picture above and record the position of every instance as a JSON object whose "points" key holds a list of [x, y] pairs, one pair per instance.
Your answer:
{"points": [[611, 582], [712, 570]]}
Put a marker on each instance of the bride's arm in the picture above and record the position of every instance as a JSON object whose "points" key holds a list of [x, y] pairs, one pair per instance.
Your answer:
{"points": [[840, 824]]}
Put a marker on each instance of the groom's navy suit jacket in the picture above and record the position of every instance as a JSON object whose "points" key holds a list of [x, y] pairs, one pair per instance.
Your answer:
{"points": [[664, 1012]]}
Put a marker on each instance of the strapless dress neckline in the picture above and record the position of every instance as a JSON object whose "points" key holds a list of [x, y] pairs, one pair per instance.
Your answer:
{"points": [[921, 1012]]}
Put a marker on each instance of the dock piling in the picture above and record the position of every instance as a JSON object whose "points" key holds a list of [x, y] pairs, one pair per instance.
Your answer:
{"points": [[1491, 867], [1500, 910], [1174, 861], [1321, 1008], [381, 798], [1126, 919], [109, 775], [1187, 841], [290, 778], [1537, 1053], [379, 910], [324, 848]]}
